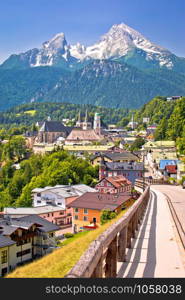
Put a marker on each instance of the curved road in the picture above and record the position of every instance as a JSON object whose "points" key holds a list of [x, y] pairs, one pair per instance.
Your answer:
{"points": [[176, 196], [155, 251]]}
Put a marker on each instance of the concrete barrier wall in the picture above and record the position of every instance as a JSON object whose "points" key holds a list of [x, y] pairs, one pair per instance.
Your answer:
{"points": [[100, 259]]}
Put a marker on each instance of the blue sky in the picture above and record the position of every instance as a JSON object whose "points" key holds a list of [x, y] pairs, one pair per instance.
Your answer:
{"points": [[26, 24]]}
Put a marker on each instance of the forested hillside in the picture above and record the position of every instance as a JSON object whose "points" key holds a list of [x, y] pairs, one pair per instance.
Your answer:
{"points": [[170, 117], [39, 171], [28, 114]]}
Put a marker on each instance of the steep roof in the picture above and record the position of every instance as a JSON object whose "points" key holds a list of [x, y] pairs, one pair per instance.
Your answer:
{"points": [[54, 126], [118, 181], [46, 226], [171, 169], [83, 135], [165, 162], [8, 225], [99, 201], [5, 241]]}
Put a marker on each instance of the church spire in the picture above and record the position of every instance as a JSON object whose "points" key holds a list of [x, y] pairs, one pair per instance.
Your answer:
{"points": [[79, 116], [86, 116]]}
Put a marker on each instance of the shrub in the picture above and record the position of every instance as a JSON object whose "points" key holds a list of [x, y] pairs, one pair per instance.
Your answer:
{"points": [[68, 235], [107, 215]]}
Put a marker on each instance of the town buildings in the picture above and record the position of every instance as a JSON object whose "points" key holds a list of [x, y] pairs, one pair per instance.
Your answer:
{"points": [[50, 131], [83, 133], [180, 170], [58, 197], [114, 185], [55, 133], [82, 137], [159, 145], [54, 214], [125, 156], [87, 209], [130, 170], [168, 167], [24, 239]]}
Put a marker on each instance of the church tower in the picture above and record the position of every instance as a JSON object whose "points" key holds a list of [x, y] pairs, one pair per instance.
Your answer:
{"points": [[86, 125], [79, 123], [97, 123]]}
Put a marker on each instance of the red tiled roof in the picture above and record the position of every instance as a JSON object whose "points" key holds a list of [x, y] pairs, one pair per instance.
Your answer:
{"points": [[100, 201], [171, 169], [117, 181], [84, 135]]}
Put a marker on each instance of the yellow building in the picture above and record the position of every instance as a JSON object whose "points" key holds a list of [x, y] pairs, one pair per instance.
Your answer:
{"points": [[150, 145]]}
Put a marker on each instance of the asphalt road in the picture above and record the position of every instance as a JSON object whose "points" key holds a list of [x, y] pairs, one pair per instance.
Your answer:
{"points": [[155, 252], [177, 198]]}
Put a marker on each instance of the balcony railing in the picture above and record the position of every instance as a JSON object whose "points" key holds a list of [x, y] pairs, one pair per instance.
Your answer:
{"points": [[24, 236]]}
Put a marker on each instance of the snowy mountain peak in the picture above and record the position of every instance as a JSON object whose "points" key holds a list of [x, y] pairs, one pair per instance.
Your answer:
{"points": [[119, 41], [57, 42]]}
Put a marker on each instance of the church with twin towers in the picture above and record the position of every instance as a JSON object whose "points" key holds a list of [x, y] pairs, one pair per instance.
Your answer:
{"points": [[86, 125]]}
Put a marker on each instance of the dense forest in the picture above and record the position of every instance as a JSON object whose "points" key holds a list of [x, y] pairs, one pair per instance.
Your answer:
{"points": [[170, 118], [58, 167], [28, 114]]}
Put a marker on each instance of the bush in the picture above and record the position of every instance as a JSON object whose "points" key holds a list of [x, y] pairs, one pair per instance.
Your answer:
{"points": [[68, 235], [106, 216]]}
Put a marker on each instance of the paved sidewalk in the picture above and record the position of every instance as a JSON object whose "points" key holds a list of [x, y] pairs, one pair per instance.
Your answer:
{"points": [[155, 252]]}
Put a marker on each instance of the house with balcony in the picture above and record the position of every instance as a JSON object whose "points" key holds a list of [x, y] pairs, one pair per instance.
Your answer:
{"points": [[54, 214], [23, 240], [130, 170], [125, 156], [114, 185], [168, 167], [58, 197]]}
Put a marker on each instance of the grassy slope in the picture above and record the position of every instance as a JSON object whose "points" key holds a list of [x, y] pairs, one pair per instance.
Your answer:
{"points": [[59, 263]]}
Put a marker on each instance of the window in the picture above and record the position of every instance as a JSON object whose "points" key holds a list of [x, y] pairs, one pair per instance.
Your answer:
{"points": [[38, 194], [85, 218], [48, 215], [76, 217], [38, 201], [85, 211], [76, 210], [61, 213], [22, 253], [51, 234], [4, 256]]}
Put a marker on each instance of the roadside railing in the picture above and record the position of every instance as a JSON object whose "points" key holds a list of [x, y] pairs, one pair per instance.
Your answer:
{"points": [[100, 259], [147, 181]]}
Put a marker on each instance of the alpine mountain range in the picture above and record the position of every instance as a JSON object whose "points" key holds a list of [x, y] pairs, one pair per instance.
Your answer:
{"points": [[123, 69]]}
